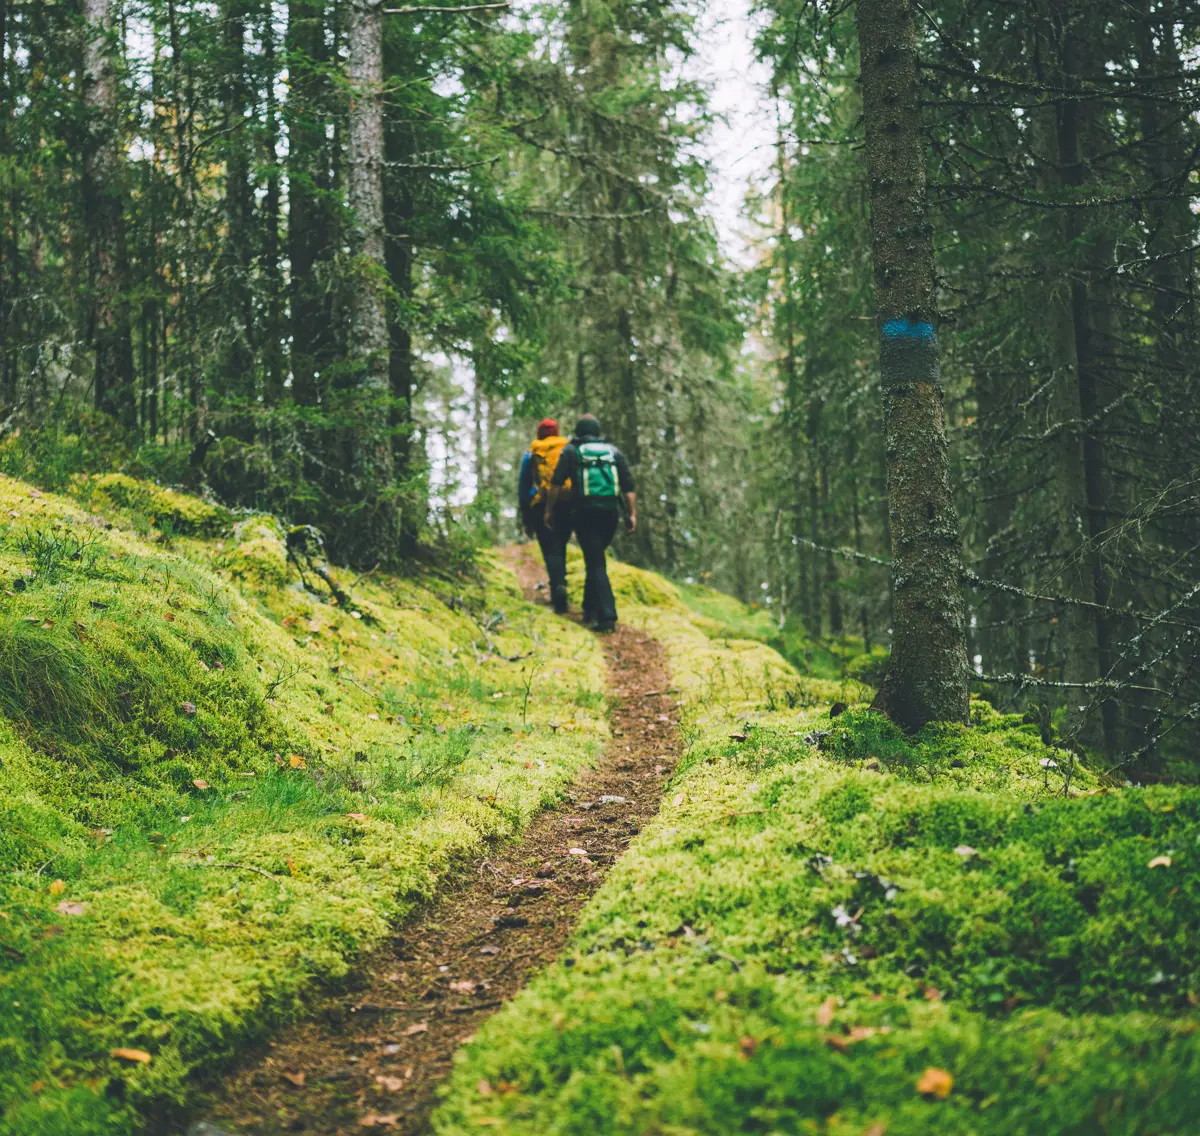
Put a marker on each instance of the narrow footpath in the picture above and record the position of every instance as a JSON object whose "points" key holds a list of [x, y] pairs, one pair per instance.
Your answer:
{"points": [[372, 1058]]}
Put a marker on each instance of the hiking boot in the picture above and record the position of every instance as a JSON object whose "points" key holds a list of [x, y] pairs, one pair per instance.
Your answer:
{"points": [[560, 601]]}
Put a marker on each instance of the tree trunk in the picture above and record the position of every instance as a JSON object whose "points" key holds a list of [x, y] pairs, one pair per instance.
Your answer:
{"points": [[928, 676], [235, 378], [309, 225], [9, 278], [274, 362], [103, 201], [370, 340]]}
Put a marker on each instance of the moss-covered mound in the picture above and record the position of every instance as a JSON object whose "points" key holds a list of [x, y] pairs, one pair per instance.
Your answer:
{"points": [[833, 928], [217, 787]]}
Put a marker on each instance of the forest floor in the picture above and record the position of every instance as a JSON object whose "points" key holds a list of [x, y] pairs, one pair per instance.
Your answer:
{"points": [[229, 804], [373, 1056]]}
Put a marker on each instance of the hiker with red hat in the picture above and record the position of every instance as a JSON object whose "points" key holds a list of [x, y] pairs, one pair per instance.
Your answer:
{"points": [[537, 468]]}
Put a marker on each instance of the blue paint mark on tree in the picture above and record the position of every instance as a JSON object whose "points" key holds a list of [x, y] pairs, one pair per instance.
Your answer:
{"points": [[908, 329]]}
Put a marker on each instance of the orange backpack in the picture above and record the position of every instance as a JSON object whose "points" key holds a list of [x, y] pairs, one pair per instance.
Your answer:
{"points": [[545, 453]]}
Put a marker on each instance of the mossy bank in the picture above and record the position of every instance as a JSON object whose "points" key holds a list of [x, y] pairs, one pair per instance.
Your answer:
{"points": [[833, 928], [218, 787]]}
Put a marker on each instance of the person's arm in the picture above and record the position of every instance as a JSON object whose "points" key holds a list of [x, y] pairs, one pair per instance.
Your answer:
{"points": [[628, 490], [525, 491], [564, 468]]}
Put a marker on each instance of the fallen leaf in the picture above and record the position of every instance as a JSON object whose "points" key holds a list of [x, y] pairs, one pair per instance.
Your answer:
{"points": [[37, 1087], [842, 1042], [464, 986], [200, 783], [71, 907], [932, 994], [484, 1089], [879, 1128], [380, 1120], [825, 1011], [373, 717], [58, 887], [489, 950], [390, 1084], [296, 1079], [357, 816], [935, 1083], [296, 761], [677, 800], [188, 707], [169, 616], [416, 1027], [1160, 862], [577, 852], [965, 851], [747, 1045], [138, 1055]]}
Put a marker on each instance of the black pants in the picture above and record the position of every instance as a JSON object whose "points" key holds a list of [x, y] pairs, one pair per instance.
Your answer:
{"points": [[594, 529], [553, 543]]}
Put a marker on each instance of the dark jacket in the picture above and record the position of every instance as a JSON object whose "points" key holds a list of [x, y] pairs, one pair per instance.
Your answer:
{"points": [[568, 467]]}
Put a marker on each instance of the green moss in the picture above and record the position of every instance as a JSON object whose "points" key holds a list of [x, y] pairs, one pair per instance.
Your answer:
{"points": [[175, 722], [161, 507], [963, 898]]}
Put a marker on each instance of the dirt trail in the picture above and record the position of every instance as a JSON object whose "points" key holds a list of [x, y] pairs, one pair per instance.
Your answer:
{"points": [[373, 1058]]}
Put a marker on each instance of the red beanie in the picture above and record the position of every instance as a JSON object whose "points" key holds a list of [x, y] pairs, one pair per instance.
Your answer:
{"points": [[547, 428]]}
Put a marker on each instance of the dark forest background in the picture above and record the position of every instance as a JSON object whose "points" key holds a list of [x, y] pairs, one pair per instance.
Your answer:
{"points": [[289, 254]]}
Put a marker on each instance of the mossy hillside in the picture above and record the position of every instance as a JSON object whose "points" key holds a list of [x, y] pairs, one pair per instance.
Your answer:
{"points": [[826, 909], [724, 617], [216, 790]]}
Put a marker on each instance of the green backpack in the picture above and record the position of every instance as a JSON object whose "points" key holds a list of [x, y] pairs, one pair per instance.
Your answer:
{"points": [[598, 468]]}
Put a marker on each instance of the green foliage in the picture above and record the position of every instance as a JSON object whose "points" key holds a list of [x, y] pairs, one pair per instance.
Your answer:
{"points": [[826, 908], [184, 734]]}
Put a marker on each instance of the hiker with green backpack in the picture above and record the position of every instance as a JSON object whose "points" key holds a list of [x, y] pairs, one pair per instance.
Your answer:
{"points": [[600, 480]]}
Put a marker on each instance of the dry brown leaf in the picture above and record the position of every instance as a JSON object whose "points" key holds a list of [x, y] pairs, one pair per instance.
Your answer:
{"points": [[357, 816], [577, 852], [296, 761], [935, 1083], [416, 1027], [879, 1128], [169, 616], [188, 707], [71, 907], [296, 1079], [465, 986], [842, 1042], [677, 800], [373, 717], [138, 1055], [389, 1084], [380, 1120], [932, 994], [1160, 862], [825, 1011], [747, 1045], [200, 783], [484, 1089], [58, 887]]}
